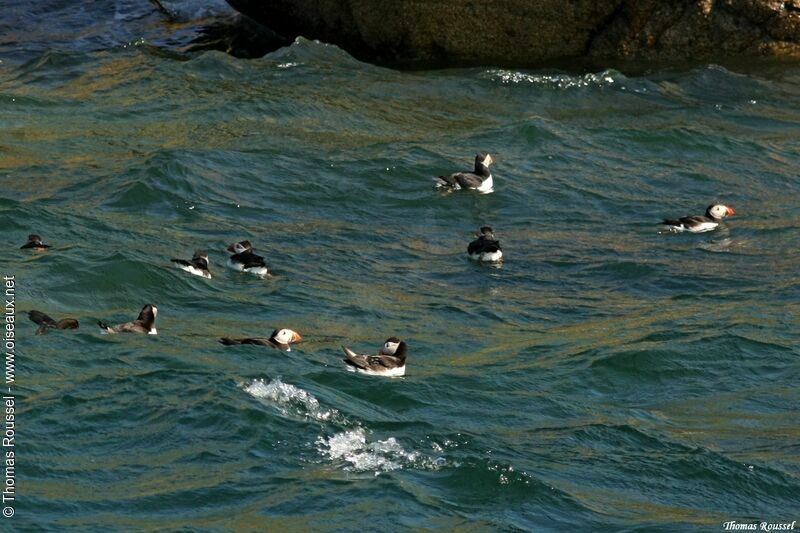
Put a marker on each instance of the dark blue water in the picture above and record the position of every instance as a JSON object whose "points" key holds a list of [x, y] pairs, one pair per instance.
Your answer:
{"points": [[604, 376]]}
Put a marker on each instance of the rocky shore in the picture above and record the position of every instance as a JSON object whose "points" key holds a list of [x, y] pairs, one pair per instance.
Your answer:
{"points": [[420, 33]]}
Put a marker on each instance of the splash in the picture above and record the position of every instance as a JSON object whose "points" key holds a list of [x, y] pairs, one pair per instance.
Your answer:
{"points": [[291, 400], [352, 447], [559, 81]]}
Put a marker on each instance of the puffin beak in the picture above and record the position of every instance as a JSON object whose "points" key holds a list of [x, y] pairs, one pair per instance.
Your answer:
{"points": [[731, 212], [296, 337], [231, 247]]}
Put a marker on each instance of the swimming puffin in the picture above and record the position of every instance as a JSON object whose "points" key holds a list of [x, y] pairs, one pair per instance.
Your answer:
{"points": [[198, 265], [144, 324], [35, 242], [244, 260], [698, 224], [485, 247], [280, 340], [479, 179], [390, 361], [46, 322]]}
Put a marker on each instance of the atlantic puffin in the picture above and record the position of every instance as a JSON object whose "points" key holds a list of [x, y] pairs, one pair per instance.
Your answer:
{"points": [[485, 247], [35, 242], [198, 265], [390, 361], [145, 323], [244, 260], [46, 322], [699, 224], [479, 179], [280, 340]]}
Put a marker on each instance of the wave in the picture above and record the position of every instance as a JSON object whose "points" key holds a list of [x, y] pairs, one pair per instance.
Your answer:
{"points": [[291, 400], [351, 448], [607, 78], [354, 449]]}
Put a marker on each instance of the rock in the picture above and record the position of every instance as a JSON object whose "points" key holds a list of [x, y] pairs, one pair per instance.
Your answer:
{"points": [[238, 35], [419, 33]]}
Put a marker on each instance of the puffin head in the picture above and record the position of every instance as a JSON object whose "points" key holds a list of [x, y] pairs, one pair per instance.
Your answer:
{"points": [[286, 336], [148, 314], [486, 231], [484, 158], [200, 254], [239, 247], [718, 211], [390, 346], [34, 241]]}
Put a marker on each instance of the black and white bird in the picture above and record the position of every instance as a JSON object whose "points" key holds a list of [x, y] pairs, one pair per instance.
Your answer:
{"points": [[244, 260], [390, 360], [145, 323], [46, 322], [700, 223], [35, 242], [280, 339], [197, 265], [485, 247], [479, 179]]}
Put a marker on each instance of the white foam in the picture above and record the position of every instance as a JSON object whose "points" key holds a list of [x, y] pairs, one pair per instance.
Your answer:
{"points": [[353, 448], [290, 400], [560, 81], [350, 446]]}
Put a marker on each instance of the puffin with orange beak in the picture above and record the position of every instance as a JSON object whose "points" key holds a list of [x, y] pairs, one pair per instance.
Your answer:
{"points": [[700, 223], [280, 340]]}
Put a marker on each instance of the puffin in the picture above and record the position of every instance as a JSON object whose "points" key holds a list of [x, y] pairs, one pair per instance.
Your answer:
{"points": [[144, 324], [35, 242], [280, 340], [244, 260], [701, 223], [479, 179], [198, 265], [485, 247], [390, 361], [46, 322]]}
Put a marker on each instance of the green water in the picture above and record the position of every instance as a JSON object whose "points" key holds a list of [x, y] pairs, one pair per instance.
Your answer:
{"points": [[605, 376]]}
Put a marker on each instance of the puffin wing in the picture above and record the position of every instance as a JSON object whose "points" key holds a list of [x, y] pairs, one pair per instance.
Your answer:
{"points": [[381, 362], [135, 326], [199, 263], [483, 246], [44, 321], [41, 318], [248, 259], [448, 181], [375, 363], [688, 222], [353, 359], [261, 341], [692, 222], [475, 247], [34, 245], [67, 323], [181, 262], [468, 180]]}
